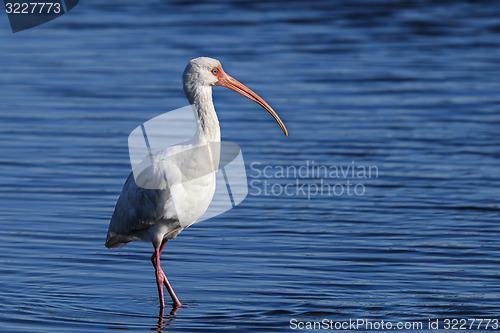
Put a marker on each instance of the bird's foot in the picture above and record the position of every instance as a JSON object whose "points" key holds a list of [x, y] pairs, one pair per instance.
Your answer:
{"points": [[160, 276], [161, 280]]}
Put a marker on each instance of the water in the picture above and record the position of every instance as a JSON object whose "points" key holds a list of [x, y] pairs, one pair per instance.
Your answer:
{"points": [[410, 88]]}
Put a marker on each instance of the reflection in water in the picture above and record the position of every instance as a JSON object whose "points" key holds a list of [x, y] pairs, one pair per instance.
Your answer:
{"points": [[165, 322]]}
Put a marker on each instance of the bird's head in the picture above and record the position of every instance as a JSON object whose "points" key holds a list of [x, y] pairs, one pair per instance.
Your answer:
{"points": [[208, 72]]}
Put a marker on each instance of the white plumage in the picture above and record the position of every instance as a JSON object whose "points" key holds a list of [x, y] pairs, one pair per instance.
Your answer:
{"points": [[177, 187]]}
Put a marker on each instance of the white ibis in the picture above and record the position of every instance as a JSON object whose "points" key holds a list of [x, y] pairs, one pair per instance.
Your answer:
{"points": [[150, 214]]}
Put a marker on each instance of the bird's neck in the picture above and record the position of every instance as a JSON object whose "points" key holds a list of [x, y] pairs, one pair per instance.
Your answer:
{"points": [[204, 111]]}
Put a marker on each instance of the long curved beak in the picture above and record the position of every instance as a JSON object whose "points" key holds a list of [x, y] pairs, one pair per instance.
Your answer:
{"points": [[233, 84]]}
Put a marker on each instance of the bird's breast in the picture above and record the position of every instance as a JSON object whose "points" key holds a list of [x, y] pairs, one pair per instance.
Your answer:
{"points": [[189, 173], [190, 199]]}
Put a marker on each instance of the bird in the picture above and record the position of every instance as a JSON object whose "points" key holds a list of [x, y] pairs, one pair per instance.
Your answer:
{"points": [[159, 213]]}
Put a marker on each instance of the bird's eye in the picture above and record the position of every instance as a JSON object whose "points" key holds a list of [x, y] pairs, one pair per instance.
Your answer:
{"points": [[215, 71]]}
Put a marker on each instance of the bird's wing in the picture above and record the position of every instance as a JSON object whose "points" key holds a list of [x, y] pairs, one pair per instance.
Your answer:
{"points": [[137, 209], [177, 171]]}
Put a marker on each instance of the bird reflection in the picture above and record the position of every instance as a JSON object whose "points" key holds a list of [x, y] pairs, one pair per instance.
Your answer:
{"points": [[165, 322]]}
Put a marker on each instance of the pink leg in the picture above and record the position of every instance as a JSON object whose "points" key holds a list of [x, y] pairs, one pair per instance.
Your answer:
{"points": [[162, 279]]}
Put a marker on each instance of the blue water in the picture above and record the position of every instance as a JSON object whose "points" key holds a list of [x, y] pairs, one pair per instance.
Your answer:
{"points": [[410, 88]]}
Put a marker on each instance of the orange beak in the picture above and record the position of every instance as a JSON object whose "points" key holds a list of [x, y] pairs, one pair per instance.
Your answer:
{"points": [[233, 84]]}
